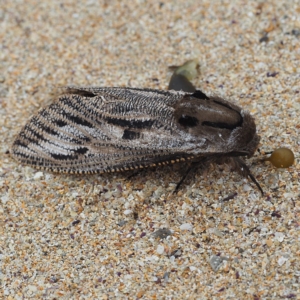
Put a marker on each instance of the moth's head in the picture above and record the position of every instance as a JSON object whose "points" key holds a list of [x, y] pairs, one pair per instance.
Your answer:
{"points": [[224, 125], [245, 137]]}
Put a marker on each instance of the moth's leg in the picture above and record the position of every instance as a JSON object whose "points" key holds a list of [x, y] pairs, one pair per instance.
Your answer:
{"points": [[240, 166], [187, 172], [192, 167]]}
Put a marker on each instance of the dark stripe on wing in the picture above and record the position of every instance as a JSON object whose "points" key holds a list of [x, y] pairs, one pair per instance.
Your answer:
{"points": [[130, 135], [138, 124]]}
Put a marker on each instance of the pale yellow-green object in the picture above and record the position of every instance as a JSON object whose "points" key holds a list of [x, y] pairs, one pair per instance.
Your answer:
{"points": [[189, 69], [282, 158], [180, 80]]}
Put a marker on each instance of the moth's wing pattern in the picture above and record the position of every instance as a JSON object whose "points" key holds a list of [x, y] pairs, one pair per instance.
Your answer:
{"points": [[90, 130]]}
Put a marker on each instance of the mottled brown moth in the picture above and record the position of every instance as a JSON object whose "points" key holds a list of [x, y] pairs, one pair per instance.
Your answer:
{"points": [[98, 130]]}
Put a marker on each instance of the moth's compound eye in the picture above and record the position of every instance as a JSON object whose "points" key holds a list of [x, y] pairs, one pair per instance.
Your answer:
{"points": [[188, 121]]}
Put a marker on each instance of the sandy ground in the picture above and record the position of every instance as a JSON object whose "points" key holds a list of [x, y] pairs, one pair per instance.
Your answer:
{"points": [[92, 237]]}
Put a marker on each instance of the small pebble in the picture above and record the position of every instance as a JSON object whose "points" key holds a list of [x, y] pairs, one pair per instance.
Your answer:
{"points": [[186, 226], [38, 175], [160, 249], [162, 233], [216, 262]]}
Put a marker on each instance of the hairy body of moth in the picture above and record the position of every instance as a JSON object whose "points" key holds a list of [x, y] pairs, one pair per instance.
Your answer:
{"points": [[97, 130]]}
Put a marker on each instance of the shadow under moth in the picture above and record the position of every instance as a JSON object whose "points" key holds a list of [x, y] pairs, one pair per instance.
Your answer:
{"points": [[98, 130]]}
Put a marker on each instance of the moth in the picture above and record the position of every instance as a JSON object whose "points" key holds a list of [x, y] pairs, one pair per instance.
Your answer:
{"points": [[111, 129]]}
